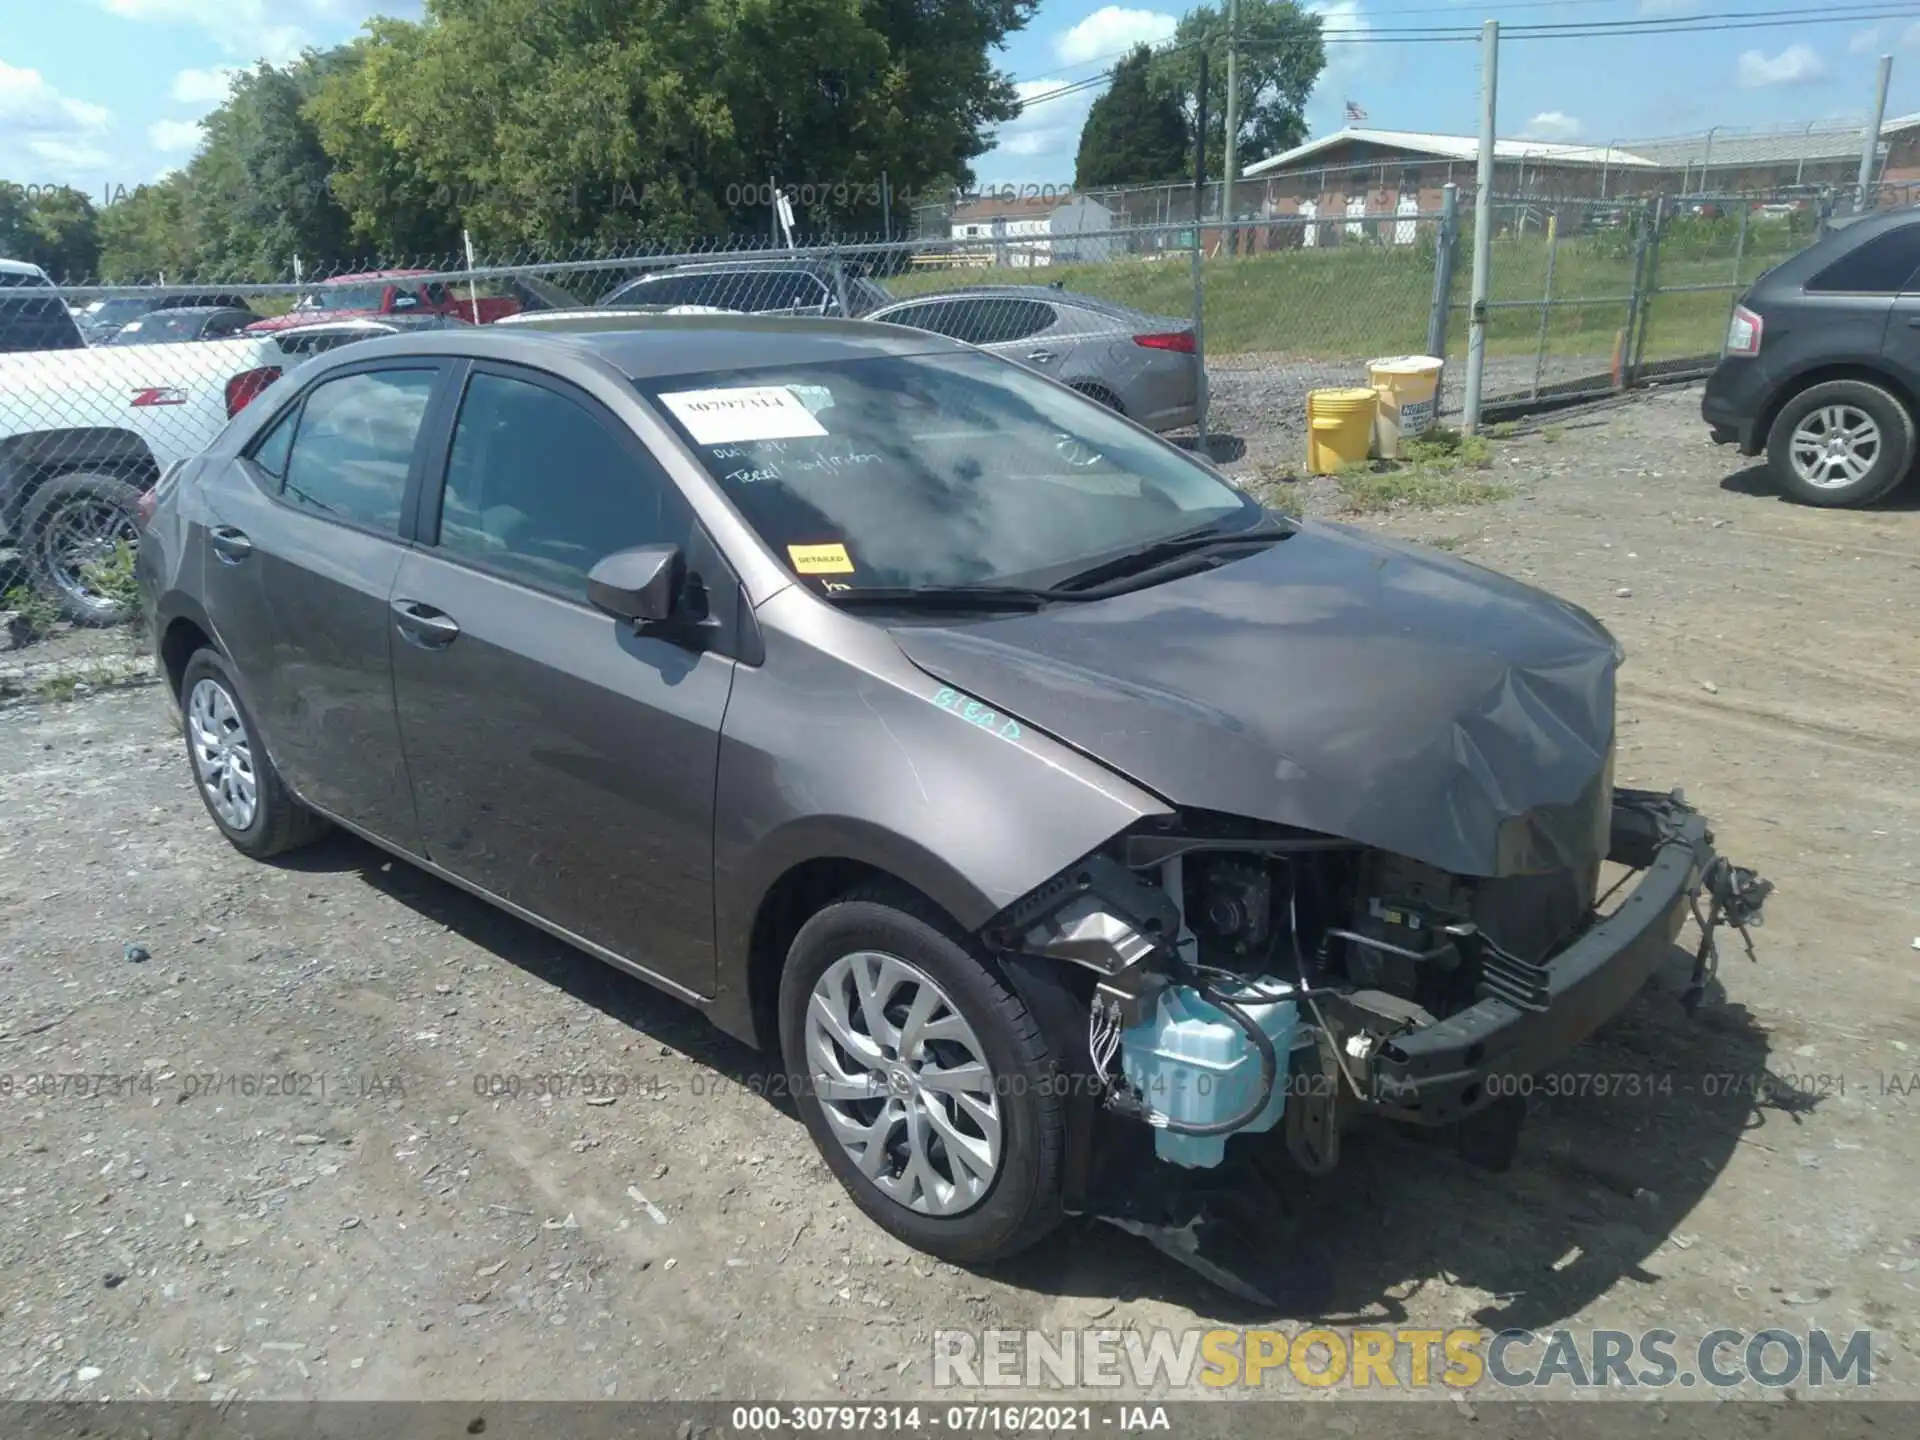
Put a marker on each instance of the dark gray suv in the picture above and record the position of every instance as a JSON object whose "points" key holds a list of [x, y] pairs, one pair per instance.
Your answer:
{"points": [[1821, 369], [1071, 824]]}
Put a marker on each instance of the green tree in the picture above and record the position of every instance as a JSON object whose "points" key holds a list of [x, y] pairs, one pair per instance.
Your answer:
{"points": [[150, 233], [1135, 133], [54, 229], [549, 122], [263, 174], [1281, 57]]}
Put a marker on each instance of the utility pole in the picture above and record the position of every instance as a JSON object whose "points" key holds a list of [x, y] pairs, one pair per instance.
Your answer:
{"points": [[1482, 227], [1870, 148], [1229, 171], [1199, 245]]}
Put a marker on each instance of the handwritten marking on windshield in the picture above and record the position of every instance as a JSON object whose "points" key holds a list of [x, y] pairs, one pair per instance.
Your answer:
{"points": [[974, 713]]}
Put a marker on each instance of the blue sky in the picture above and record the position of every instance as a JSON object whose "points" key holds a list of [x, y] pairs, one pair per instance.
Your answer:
{"points": [[105, 93]]}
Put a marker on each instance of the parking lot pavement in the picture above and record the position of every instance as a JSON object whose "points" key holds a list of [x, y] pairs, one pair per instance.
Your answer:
{"points": [[333, 1129]]}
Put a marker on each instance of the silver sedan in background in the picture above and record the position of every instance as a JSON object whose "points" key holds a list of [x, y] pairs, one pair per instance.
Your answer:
{"points": [[1142, 365]]}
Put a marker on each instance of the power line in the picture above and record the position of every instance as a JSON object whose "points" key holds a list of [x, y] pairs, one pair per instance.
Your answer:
{"points": [[1571, 30]]}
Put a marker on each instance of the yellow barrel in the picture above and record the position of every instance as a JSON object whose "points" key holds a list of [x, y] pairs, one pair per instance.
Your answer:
{"points": [[1408, 386], [1339, 428]]}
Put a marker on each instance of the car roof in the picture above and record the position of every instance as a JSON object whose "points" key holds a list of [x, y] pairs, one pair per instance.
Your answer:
{"points": [[374, 275], [198, 310], [659, 345], [1021, 292], [22, 267], [744, 262]]}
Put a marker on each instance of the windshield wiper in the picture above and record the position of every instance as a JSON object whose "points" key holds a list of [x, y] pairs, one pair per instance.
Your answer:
{"points": [[949, 597], [1158, 552]]}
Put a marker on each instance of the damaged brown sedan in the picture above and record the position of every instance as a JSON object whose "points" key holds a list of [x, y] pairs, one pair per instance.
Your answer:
{"points": [[1075, 827]]}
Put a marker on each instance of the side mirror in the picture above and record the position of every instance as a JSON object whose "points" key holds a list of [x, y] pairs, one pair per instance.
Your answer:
{"points": [[642, 585]]}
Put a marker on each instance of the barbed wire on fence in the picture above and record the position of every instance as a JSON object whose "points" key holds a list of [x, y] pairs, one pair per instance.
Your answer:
{"points": [[1587, 295]]}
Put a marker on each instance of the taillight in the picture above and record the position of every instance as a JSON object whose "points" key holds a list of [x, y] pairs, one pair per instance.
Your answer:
{"points": [[246, 387], [1744, 331], [144, 507], [1181, 340]]}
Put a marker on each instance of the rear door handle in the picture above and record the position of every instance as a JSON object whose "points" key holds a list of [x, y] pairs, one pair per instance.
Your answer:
{"points": [[423, 626], [1041, 357], [231, 545]]}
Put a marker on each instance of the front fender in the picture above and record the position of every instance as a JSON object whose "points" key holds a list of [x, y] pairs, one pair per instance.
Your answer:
{"points": [[846, 751]]}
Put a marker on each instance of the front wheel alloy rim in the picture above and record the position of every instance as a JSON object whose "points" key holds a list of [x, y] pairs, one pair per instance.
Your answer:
{"points": [[222, 754], [904, 1083], [1834, 446]]}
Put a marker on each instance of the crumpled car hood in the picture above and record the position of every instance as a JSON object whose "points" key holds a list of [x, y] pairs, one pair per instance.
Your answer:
{"points": [[1336, 682]]}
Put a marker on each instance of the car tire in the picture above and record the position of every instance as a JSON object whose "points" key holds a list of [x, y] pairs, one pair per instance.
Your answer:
{"points": [[903, 945], [64, 518], [228, 757], [1874, 427]]}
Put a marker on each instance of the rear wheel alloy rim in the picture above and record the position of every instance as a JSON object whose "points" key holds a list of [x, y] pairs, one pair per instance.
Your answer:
{"points": [[1834, 446], [222, 754], [80, 536], [904, 1083]]}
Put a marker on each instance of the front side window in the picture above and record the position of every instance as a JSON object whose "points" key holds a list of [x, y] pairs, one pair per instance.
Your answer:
{"points": [[540, 489], [354, 446], [935, 470], [941, 317], [998, 320]]}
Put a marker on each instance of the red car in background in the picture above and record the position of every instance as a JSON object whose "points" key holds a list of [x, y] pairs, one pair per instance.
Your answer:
{"points": [[406, 292]]}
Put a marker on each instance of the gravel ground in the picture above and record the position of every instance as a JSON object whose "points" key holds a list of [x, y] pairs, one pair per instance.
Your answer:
{"points": [[197, 1226]]}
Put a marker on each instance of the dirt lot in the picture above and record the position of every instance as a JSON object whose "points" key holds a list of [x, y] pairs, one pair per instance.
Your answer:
{"points": [[388, 1230]]}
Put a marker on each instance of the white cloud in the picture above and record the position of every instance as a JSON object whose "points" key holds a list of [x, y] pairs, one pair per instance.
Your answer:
{"points": [[1347, 64], [28, 102], [1795, 65], [59, 132], [70, 159], [1112, 30], [1051, 128], [272, 30], [1864, 40], [1552, 125], [175, 137], [203, 87]]}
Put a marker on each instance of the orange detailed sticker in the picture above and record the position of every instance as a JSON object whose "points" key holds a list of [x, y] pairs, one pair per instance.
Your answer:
{"points": [[820, 559]]}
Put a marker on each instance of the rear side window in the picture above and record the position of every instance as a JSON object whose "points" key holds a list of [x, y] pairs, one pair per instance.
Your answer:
{"points": [[1881, 266], [998, 321], [511, 508], [354, 446]]}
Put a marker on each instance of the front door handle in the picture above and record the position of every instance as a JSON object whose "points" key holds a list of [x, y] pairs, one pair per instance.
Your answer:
{"points": [[231, 545], [1041, 357], [423, 626]]}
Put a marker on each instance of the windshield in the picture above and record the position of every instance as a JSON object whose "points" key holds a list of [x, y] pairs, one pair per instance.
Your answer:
{"points": [[936, 470], [117, 312], [344, 297]]}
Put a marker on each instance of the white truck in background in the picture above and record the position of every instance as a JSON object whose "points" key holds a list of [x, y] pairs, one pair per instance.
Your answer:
{"points": [[84, 431]]}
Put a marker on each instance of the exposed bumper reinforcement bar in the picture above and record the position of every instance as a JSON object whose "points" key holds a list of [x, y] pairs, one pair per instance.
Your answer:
{"points": [[1437, 1075]]}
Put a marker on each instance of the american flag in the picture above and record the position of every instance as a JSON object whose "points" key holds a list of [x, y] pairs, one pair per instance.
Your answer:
{"points": [[1355, 114]]}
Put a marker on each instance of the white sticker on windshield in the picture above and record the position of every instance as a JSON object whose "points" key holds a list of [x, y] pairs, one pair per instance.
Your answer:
{"points": [[749, 412]]}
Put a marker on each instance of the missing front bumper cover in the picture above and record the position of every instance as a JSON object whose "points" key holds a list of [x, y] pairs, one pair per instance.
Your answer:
{"points": [[1438, 1074]]}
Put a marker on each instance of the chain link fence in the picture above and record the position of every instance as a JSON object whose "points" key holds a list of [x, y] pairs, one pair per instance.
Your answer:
{"points": [[1220, 329]]}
